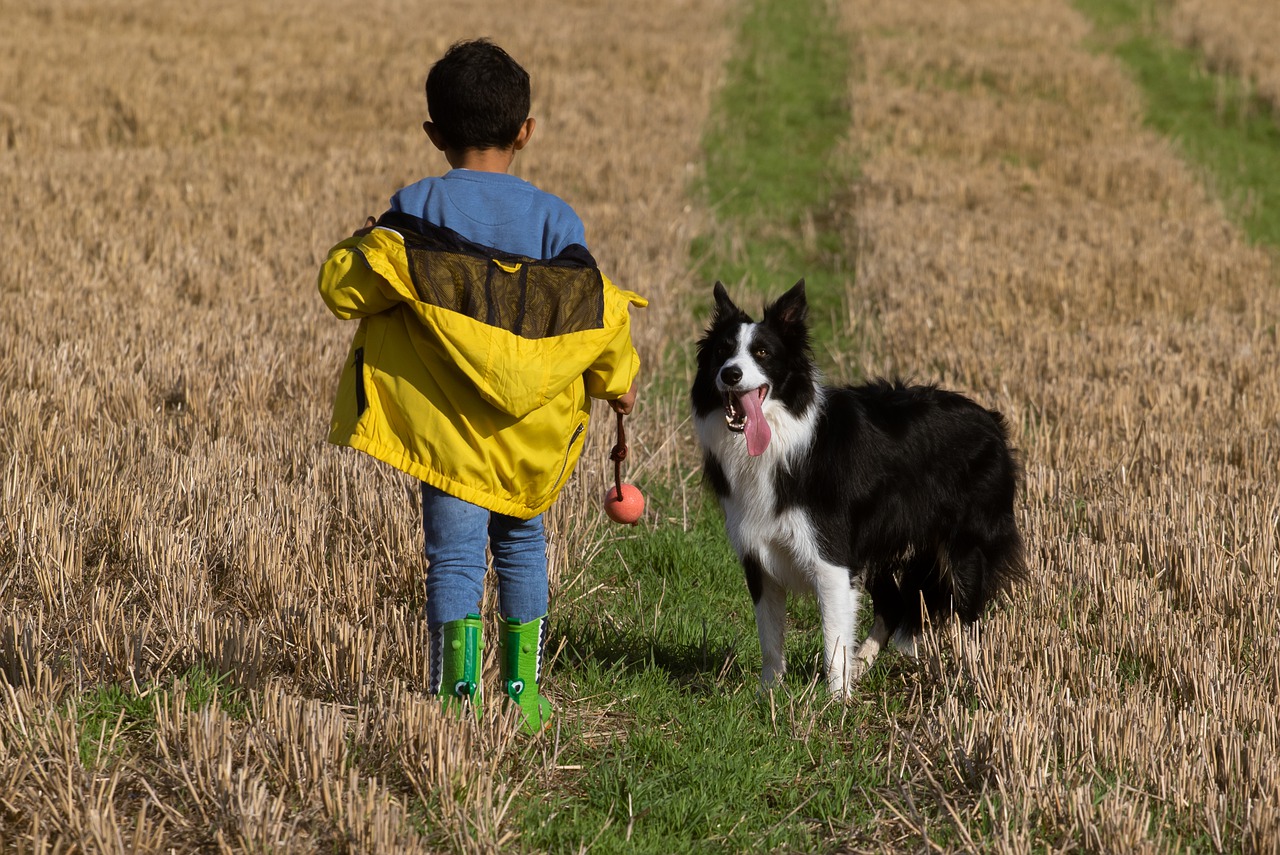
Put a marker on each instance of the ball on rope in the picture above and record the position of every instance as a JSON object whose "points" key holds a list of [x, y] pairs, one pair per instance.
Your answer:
{"points": [[627, 508]]}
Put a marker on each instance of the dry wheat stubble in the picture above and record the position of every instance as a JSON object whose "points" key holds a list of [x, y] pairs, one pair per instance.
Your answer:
{"points": [[1022, 237], [165, 371], [174, 174]]}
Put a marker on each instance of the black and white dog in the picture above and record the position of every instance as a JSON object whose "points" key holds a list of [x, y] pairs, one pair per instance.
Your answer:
{"points": [[904, 492]]}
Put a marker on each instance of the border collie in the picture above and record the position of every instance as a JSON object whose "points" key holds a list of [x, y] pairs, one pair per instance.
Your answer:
{"points": [[902, 492]]}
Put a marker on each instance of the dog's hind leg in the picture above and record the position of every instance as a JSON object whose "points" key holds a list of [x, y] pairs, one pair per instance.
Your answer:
{"points": [[905, 643], [873, 643], [838, 605], [896, 613], [770, 600]]}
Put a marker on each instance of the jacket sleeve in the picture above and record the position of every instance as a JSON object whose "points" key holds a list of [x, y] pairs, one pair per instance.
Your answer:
{"points": [[350, 287], [611, 374]]}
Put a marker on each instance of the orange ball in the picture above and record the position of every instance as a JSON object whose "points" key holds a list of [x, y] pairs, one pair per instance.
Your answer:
{"points": [[627, 509]]}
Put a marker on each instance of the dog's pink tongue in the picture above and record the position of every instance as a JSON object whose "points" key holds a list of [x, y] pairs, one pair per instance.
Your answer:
{"points": [[757, 430]]}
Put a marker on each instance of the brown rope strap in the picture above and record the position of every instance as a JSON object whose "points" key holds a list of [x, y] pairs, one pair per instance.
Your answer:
{"points": [[617, 455]]}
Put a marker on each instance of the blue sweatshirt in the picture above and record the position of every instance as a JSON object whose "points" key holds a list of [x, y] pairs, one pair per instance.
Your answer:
{"points": [[496, 210]]}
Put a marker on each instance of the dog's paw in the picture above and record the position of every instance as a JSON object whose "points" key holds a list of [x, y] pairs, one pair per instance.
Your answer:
{"points": [[905, 643], [771, 692], [842, 682], [772, 673]]}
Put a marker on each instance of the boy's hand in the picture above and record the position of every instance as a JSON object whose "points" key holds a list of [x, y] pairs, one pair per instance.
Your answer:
{"points": [[369, 223], [624, 405]]}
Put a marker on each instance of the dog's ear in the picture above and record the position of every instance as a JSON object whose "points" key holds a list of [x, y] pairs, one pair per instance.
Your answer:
{"points": [[724, 306], [789, 311]]}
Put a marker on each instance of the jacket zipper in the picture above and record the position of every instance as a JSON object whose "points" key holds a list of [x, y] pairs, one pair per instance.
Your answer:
{"points": [[362, 402], [577, 432]]}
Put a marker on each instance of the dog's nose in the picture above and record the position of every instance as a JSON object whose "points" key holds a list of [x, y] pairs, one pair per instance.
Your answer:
{"points": [[731, 375]]}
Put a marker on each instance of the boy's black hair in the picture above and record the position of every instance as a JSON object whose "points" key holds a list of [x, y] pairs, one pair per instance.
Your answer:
{"points": [[478, 96]]}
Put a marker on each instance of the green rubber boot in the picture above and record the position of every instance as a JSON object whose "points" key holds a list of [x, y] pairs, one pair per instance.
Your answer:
{"points": [[456, 663], [521, 658]]}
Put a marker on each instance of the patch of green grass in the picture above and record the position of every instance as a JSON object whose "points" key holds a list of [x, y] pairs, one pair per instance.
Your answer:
{"points": [[771, 174], [721, 772], [1214, 118], [206, 688], [780, 114], [108, 713], [113, 714]]}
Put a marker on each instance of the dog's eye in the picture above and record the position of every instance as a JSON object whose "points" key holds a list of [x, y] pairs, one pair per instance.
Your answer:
{"points": [[761, 353], [723, 351]]}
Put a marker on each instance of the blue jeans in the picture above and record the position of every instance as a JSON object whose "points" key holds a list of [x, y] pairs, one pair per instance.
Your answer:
{"points": [[456, 534]]}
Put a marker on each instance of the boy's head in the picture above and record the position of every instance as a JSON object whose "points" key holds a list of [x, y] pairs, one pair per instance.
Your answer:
{"points": [[478, 97]]}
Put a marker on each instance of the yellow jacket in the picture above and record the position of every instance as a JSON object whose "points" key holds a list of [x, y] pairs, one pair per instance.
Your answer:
{"points": [[471, 369]]}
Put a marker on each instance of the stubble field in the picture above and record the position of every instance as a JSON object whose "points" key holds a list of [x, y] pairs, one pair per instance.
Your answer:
{"points": [[1022, 236], [211, 627]]}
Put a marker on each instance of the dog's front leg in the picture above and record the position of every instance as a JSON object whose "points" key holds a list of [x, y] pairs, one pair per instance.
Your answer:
{"points": [[838, 605], [770, 600]]}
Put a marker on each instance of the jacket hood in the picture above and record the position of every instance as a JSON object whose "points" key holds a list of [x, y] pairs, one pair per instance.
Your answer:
{"points": [[514, 374], [520, 330]]}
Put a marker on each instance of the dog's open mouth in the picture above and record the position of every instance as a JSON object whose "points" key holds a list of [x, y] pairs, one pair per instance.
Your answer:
{"points": [[742, 414]]}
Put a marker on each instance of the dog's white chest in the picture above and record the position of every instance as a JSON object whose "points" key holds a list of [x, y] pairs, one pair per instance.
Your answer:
{"points": [[783, 541]]}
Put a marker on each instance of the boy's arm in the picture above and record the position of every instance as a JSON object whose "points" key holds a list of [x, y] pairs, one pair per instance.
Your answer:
{"points": [[612, 374], [348, 285]]}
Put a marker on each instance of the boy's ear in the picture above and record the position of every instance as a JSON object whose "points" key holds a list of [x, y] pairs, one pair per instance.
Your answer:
{"points": [[526, 131], [433, 133]]}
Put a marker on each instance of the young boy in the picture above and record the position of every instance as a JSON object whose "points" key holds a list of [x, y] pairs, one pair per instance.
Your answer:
{"points": [[485, 329]]}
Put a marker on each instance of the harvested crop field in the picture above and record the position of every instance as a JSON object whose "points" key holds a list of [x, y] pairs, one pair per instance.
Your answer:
{"points": [[211, 627], [1021, 235]]}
